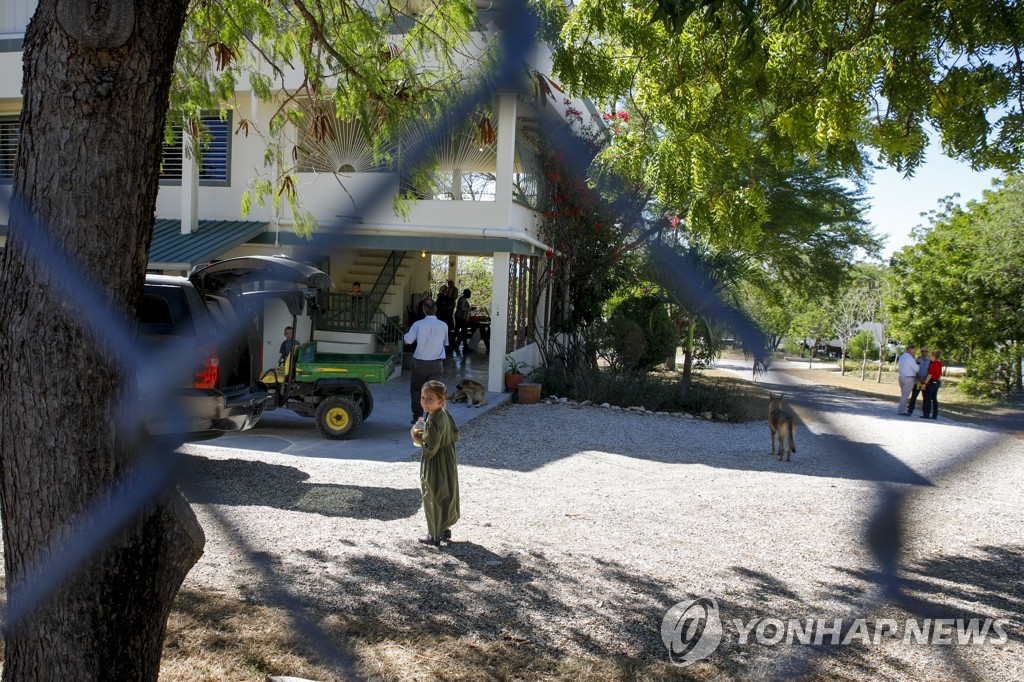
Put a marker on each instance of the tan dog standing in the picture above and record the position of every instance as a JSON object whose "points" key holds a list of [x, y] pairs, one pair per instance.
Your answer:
{"points": [[781, 424]]}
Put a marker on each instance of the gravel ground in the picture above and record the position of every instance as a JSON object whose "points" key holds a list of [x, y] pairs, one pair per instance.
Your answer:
{"points": [[583, 525]]}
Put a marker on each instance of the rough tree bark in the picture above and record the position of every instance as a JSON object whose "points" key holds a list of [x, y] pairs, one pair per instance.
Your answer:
{"points": [[96, 81]]}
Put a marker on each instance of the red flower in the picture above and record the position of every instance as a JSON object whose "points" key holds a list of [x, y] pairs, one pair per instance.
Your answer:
{"points": [[549, 253], [624, 116]]}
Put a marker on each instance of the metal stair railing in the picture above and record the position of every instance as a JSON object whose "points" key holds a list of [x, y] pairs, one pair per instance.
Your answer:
{"points": [[388, 333], [387, 330], [385, 279], [342, 312]]}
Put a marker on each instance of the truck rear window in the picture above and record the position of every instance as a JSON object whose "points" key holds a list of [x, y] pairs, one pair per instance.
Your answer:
{"points": [[163, 311]]}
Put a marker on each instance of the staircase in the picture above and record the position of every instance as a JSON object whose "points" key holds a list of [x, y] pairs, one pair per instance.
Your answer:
{"points": [[366, 269], [370, 323]]}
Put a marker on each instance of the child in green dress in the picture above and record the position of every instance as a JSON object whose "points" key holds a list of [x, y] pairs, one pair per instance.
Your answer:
{"points": [[439, 477]]}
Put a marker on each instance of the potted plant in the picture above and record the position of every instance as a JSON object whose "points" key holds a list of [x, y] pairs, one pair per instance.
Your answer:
{"points": [[513, 373], [529, 389]]}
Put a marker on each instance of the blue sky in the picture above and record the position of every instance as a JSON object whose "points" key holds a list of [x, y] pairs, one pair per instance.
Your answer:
{"points": [[897, 202]]}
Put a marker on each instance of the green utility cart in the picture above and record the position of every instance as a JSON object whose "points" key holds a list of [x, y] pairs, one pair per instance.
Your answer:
{"points": [[329, 387]]}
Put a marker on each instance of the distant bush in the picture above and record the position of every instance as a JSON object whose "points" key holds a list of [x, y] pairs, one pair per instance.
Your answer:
{"points": [[990, 372], [793, 348], [658, 392], [861, 344], [639, 335]]}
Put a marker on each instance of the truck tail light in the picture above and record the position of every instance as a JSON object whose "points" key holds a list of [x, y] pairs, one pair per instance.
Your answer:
{"points": [[208, 375]]}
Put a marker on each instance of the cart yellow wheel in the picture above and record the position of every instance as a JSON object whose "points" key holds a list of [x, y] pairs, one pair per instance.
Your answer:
{"points": [[338, 418]]}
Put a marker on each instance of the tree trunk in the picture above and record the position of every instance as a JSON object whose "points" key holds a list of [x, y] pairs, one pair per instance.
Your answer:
{"points": [[687, 376], [1018, 366], [96, 83], [882, 357], [842, 358]]}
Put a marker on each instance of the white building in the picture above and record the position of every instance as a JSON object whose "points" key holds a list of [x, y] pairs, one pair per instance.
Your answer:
{"points": [[483, 203]]}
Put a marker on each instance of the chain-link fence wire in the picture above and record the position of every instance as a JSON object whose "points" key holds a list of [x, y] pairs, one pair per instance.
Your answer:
{"points": [[884, 534], [159, 465]]}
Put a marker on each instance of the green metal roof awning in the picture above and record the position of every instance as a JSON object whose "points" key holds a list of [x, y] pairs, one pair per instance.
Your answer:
{"points": [[172, 250]]}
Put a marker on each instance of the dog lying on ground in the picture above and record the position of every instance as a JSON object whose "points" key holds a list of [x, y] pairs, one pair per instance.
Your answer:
{"points": [[781, 424], [470, 392]]}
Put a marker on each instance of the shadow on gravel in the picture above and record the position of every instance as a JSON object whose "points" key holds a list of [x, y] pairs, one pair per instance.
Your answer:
{"points": [[237, 482], [671, 440], [474, 594], [991, 583]]}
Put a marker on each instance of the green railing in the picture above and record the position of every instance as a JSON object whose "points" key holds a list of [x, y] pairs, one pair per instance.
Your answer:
{"points": [[341, 312], [389, 333]]}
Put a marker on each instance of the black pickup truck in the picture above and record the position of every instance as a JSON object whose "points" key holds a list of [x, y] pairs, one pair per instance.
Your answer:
{"points": [[201, 333]]}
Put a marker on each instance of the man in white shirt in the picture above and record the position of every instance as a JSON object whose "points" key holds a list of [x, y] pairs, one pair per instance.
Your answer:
{"points": [[431, 337], [907, 368]]}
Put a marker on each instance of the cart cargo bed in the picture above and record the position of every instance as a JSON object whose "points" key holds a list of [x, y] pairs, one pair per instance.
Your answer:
{"points": [[373, 368]]}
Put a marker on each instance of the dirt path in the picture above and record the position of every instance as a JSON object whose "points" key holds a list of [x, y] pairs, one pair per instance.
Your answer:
{"points": [[951, 405]]}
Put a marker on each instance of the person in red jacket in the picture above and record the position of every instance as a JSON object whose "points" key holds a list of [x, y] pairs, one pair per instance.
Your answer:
{"points": [[932, 384]]}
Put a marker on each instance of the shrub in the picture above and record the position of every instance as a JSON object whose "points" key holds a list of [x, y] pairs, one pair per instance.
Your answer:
{"points": [[990, 372], [639, 335], [656, 392], [794, 348], [860, 344]]}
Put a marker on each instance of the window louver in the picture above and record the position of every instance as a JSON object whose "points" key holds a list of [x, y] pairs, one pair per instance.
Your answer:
{"points": [[216, 154], [10, 132]]}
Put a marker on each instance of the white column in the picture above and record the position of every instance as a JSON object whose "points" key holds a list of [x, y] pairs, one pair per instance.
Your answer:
{"points": [[189, 184], [453, 270], [506, 156], [499, 323]]}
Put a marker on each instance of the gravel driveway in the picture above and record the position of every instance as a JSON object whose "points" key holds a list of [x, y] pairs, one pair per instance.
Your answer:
{"points": [[583, 525]]}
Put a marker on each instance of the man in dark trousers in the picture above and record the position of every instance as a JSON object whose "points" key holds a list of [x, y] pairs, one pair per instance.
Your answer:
{"points": [[431, 337], [462, 328], [922, 376]]}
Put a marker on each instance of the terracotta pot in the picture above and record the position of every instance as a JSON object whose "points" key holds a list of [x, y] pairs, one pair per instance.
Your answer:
{"points": [[529, 393], [512, 381]]}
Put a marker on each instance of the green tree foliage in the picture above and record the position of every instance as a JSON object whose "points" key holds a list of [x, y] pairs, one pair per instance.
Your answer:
{"points": [[735, 105], [960, 287], [774, 78], [698, 318], [813, 323], [640, 334], [586, 228], [315, 61], [475, 273], [594, 251], [771, 309], [863, 347]]}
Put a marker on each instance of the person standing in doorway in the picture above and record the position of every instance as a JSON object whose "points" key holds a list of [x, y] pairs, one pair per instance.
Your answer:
{"points": [[431, 337], [462, 328], [426, 296], [907, 368], [446, 309]]}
